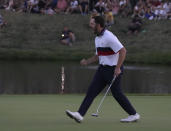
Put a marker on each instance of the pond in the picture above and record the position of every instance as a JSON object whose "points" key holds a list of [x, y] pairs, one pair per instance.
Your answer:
{"points": [[36, 77]]}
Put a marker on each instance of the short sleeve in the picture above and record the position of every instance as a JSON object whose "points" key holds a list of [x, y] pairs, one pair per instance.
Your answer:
{"points": [[114, 43]]}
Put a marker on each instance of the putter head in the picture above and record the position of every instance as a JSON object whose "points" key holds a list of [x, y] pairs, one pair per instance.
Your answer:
{"points": [[94, 114]]}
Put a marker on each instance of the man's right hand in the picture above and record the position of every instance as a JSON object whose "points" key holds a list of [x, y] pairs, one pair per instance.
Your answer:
{"points": [[83, 62], [89, 60]]}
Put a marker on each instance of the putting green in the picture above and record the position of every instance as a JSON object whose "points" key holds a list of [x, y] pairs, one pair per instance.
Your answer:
{"points": [[47, 113]]}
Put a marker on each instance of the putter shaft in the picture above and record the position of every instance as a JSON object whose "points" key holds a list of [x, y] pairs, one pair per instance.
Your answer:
{"points": [[97, 111]]}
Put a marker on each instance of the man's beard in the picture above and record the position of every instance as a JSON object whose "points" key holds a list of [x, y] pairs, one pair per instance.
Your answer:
{"points": [[96, 31]]}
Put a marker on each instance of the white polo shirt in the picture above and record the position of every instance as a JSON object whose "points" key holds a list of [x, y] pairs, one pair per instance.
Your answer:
{"points": [[107, 47]]}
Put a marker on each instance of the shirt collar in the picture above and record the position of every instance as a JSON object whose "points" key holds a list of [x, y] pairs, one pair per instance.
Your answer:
{"points": [[102, 32]]}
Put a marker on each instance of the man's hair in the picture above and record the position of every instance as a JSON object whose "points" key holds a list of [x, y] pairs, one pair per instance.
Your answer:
{"points": [[99, 20]]}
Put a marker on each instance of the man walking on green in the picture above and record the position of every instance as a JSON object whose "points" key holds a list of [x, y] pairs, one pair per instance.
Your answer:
{"points": [[111, 54]]}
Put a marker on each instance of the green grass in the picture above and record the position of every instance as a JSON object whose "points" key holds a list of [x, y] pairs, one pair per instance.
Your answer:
{"points": [[36, 37], [46, 113]]}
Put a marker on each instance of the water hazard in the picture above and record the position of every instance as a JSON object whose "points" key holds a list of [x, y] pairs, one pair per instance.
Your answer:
{"points": [[57, 77]]}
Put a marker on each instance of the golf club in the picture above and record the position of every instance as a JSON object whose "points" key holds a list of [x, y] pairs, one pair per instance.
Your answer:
{"points": [[97, 111]]}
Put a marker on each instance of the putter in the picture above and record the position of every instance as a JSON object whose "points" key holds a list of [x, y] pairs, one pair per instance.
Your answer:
{"points": [[97, 111]]}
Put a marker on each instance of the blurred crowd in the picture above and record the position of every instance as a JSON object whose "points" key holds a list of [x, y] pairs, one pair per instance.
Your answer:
{"points": [[150, 9], [137, 9]]}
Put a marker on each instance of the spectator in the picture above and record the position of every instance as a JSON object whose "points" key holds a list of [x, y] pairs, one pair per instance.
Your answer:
{"points": [[163, 11], [10, 5], [154, 2], [136, 10], [133, 3], [135, 25], [100, 7], [125, 8], [48, 10], [113, 6], [141, 10], [33, 6], [73, 7], [42, 4], [149, 14], [109, 19], [3, 4], [22, 6], [67, 37], [83, 6], [47, 6], [92, 3], [53, 3], [2, 22], [122, 5], [61, 6]]}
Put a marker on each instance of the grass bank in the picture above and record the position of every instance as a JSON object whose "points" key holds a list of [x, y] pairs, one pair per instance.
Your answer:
{"points": [[36, 37], [47, 113]]}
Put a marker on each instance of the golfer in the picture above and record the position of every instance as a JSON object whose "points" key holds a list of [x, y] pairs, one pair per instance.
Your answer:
{"points": [[111, 54]]}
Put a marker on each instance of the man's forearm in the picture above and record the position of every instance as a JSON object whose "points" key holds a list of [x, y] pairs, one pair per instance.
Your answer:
{"points": [[92, 59], [122, 55]]}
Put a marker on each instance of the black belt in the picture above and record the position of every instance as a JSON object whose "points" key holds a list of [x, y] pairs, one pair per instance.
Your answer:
{"points": [[107, 65]]}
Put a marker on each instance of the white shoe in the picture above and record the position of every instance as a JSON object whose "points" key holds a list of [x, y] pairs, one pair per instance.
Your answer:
{"points": [[8, 8], [131, 118], [75, 115]]}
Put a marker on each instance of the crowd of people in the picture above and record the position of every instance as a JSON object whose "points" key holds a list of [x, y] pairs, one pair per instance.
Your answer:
{"points": [[150, 9], [137, 9], [153, 9]]}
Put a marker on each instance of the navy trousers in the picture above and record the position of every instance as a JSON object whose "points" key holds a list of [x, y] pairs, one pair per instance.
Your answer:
{"points": [[103, 77]]}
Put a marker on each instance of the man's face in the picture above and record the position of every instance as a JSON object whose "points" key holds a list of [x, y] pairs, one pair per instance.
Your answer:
{"points": [[65, 28], [94, 26]]}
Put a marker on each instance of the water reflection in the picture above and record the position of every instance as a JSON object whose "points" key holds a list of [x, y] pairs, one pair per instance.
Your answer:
{"points": [[155, 79], [62, 79], [55, 77]]}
